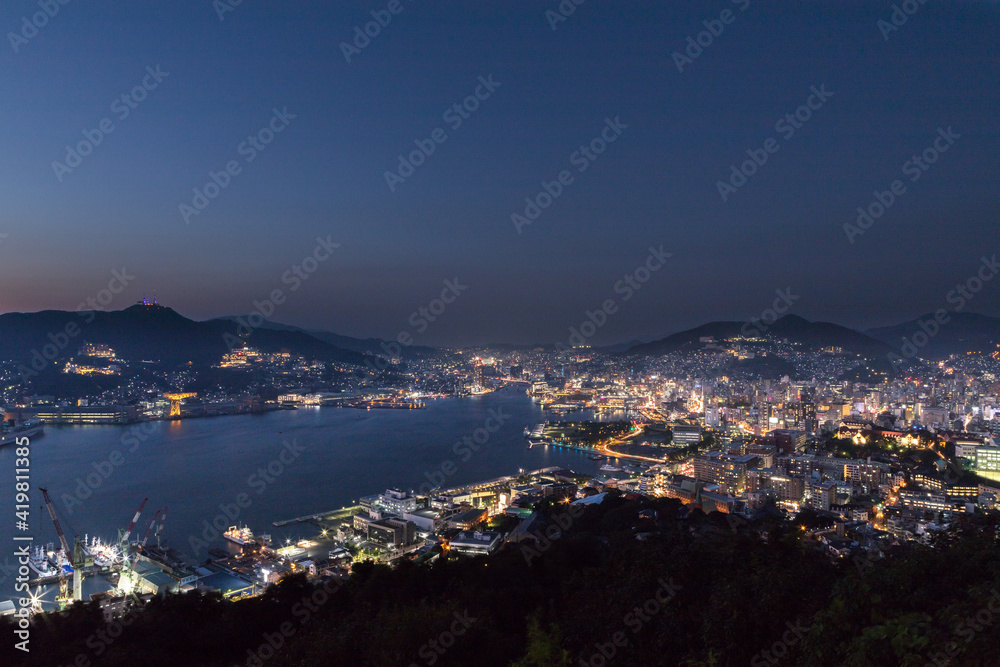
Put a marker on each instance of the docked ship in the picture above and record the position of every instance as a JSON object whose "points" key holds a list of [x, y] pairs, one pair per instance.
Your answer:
{"points": [[240, 536], [607, 467], [104, 555], [39, 562], [28, 429], [59, 562]]}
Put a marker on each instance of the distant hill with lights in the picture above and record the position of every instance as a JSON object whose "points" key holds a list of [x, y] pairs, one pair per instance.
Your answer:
{"points": [[955, 333], [150, 332], [795, 329]]}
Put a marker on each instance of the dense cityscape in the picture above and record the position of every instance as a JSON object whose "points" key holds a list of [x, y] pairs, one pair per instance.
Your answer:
{"points": [[559, 334], [854, 469]]}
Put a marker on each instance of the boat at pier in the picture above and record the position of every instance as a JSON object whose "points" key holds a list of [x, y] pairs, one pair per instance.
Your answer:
{"points": [[104, 555], [38, 561], [28, 429], [240, 536]]}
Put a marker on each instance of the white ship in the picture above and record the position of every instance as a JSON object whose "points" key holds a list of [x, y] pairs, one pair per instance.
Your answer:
{"points": [[28, 429], [39, 562], [240, 536], [104, 554], [607, 467]]}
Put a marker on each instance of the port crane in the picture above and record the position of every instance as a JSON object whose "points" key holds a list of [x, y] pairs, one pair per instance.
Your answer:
{"points": [[159, 529], [149, 530], [124, 535], [139, 547], [123, 547], [78, 560]]}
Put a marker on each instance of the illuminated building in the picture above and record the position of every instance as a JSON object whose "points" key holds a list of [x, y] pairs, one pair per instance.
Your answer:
{"points": [[988, 459], [787, 440], [95, 414], [467, 520], [83, 369], [392, 532], [930, 501], [869, 475], [729, 472], [684, 434], [240, 358], [97, 350], [475, 543], [788, 488], [822, 494], [395, 502], [759, 479]]}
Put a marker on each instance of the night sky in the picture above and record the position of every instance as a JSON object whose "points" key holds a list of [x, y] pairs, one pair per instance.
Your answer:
{"points": [[323, 175]]}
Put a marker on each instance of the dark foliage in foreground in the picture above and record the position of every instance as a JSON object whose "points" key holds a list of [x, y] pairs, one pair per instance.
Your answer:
{"points": [[707, 594]]}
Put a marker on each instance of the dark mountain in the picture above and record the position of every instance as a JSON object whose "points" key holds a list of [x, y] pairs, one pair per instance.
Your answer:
{"points": [[961, 333], [147, 333], [791, 327], [618, 348], [827, 334], [689, 339], [362, 345]]}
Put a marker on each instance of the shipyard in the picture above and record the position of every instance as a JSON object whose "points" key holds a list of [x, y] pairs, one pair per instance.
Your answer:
{"points": [[238, 563], [229, 558]]}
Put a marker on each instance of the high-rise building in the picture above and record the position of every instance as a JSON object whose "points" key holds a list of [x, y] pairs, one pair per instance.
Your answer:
{"points": [[686, 434], [988, 459], [822, 494], [729, 472], [787, 487]]}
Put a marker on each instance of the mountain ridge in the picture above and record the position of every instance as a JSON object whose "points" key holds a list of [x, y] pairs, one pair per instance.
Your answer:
{"points": [[149, 333], [947, 333], [792, 327]]}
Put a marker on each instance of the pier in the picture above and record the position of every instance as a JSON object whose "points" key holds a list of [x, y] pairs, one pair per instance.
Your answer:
{"points": [[342, 513], [45, 581]]}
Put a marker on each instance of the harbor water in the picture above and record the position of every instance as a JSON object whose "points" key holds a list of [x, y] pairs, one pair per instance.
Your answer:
{"points": [[256, 469]]}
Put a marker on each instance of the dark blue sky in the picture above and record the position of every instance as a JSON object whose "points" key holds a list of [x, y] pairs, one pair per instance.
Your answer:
{"points": [[656, 184]]}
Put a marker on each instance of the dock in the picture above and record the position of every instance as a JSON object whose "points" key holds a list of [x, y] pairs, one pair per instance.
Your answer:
{"points": [[341, 513], [45, 581]]}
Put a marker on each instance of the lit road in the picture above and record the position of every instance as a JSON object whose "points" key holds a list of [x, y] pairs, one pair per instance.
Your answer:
{"points": [[604, 449]]}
